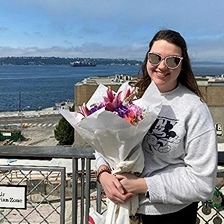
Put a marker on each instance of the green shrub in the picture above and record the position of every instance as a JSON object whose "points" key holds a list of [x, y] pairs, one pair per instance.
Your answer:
{"points": [[64, 132]]}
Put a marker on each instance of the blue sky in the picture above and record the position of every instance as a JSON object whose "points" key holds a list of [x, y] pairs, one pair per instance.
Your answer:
{"points": [[108, 28]]}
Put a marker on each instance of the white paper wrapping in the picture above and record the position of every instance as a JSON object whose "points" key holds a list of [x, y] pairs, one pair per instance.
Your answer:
{"points": [[118, 141]]}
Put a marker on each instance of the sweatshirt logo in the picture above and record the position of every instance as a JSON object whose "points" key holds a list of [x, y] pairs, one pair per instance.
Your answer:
{"points": [[161, 136]]}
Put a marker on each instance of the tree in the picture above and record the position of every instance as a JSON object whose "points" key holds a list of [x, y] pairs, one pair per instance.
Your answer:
{"points": [[64, 132]]}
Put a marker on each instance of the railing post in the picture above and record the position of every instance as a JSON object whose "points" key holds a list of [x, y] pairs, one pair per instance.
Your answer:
{"points": [[62, 214], [74, 190], [99, 197], [87, 190], [82, 214]]}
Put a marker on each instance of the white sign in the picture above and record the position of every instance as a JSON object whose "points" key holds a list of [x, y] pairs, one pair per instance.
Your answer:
{"points": [[12, 196], [6, 134]]}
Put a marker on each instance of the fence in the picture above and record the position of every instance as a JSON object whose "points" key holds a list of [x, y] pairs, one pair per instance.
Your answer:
{"points": [[54, 195], [44, 194]]}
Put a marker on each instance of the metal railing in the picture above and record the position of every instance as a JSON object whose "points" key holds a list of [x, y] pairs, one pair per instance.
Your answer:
{"points": [[54, 195], [213, 211], [45, 191], [58, 191]]}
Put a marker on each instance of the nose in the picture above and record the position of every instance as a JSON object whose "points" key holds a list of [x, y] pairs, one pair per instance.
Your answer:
{"points": [[162, 65]]}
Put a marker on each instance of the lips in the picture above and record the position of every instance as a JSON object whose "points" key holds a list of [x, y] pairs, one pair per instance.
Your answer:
{"points": [[162, 74]]}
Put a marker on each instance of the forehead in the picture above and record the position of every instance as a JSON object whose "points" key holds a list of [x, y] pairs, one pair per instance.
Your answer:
{"points": [[165, 48]]}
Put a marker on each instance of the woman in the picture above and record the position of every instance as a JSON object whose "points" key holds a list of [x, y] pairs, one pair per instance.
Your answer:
{"points": [[180, 148]]}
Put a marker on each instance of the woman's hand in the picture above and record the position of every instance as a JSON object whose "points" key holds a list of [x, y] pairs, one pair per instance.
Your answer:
{"points": [[131, 183], [114, 189]]}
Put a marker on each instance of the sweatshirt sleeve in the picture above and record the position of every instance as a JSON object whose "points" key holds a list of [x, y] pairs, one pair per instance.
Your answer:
{"points": [[194, 179], [99, 160]]}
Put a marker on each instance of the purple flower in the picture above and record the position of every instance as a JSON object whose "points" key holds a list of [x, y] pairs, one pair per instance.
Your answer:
{"points": [[121, 110], [95, 108]]}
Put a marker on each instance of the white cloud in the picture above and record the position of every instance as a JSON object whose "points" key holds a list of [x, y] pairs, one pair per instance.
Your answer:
{"points": [[89, 50], [108, 28]]}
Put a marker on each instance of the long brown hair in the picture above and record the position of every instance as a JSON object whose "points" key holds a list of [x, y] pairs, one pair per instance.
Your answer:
{"points": [[186, 76]]}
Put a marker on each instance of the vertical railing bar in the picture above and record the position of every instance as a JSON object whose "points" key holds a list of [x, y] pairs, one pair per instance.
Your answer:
{"points": [[87, 189], [74, 191], [99, 197], [63, 179], [82, 190]]}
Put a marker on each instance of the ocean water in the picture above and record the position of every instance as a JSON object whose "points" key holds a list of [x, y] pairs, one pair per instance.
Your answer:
{"points": [[29, 87]]}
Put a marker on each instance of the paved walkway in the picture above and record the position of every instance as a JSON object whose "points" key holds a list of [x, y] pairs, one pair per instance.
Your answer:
{"points": [[46, 111]]}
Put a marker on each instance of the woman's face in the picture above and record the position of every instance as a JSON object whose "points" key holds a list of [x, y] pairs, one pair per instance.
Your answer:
{"points": [[164, 77]]}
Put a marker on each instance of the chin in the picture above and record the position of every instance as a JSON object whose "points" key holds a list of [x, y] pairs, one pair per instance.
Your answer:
{"points": [[159, 82]]}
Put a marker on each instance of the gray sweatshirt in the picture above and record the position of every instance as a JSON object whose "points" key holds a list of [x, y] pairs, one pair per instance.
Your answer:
{"points": [[180, 154]]}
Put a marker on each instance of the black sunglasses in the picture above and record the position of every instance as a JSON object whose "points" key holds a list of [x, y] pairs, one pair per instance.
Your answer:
{"points": [[171, 62]]}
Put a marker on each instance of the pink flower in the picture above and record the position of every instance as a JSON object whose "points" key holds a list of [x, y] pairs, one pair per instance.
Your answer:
{"points": [[113, 101], [120, 104], [84, 110]]}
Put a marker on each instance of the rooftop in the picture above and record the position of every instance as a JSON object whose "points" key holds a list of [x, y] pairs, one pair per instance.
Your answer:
{"points": [[120, 78]]}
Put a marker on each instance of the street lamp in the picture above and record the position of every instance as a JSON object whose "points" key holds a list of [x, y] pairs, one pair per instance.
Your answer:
{"points": [[21, 116]]}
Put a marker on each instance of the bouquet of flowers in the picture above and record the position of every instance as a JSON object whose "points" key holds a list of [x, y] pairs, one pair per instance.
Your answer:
{"points": [[114, 124]]}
